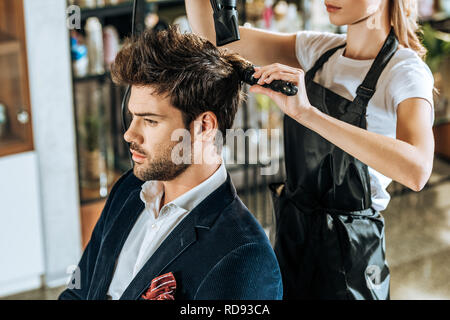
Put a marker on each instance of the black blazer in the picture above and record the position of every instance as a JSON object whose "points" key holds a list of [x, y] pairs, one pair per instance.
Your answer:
{"points": [[218, 251]]}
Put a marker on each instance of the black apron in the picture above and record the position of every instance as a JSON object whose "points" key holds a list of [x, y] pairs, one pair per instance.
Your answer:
{"points": [[328, 240]]}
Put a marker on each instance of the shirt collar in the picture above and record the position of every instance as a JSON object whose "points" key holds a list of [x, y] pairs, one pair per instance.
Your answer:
{"points": [[152, 191], [189, 200], [151, 194]]}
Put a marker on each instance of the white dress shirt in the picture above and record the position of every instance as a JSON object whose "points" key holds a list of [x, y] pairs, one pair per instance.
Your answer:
{"points": [[153, 227]]}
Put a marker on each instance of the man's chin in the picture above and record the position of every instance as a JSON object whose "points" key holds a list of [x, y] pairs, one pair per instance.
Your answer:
{"points": [[167, 174], [139, 171]]}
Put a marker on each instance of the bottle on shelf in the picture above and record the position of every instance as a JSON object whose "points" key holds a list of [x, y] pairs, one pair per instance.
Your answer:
{"points": [[268, 14], [80, 61], [111, 45], [93, 146], [287, 18], [94, 40], [426, 8]]}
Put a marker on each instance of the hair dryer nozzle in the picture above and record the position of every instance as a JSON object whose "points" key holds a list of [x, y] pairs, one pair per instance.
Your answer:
{"points": [[225, 21]]}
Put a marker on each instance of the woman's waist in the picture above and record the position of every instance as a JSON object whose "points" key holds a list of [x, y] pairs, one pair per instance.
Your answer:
{"points": [[309, 201]]}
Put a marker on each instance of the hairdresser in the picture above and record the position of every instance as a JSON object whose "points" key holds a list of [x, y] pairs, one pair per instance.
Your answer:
{"points": [[362, 117]]}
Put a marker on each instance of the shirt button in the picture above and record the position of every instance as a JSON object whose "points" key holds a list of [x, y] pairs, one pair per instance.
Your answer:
{"points": [[154, 226]]}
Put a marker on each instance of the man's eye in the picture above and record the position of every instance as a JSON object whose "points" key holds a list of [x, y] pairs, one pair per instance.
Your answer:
{"points": [[151, 121]]}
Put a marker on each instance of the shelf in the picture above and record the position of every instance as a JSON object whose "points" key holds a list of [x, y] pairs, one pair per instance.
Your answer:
{"points": [[122, 9], [90, 77], [166, 3], [107, 11], [14, 146], [8, 44]]}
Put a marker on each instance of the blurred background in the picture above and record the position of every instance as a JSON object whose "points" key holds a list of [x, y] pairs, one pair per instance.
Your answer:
{"points": [[62, 148]]}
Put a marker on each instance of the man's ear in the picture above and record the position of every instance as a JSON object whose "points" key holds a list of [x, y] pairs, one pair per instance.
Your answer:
{"points": [[207, 125]]}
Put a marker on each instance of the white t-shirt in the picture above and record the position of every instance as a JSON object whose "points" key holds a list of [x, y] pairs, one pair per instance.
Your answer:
{"points": [[406, 76]]}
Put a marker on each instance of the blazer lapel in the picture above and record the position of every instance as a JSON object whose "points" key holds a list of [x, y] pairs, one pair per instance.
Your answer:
{"points": [[112, 245], [179, 240], [174, 245]]}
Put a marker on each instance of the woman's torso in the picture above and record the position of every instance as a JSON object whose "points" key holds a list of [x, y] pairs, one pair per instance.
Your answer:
{"points": [[405, 76]]}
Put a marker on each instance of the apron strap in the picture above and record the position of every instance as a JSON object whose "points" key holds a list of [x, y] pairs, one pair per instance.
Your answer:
{"points": [[321, 61], [367, 88]]}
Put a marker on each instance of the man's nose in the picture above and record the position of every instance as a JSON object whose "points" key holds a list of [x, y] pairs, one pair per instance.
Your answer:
{"points": [[132, 136]]}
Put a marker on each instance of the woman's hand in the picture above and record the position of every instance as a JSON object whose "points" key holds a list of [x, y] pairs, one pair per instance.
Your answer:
{"points": [[298, 106], [407, 159]]}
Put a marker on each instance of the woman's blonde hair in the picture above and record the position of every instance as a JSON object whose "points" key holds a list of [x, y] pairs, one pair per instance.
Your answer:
{"points": [[403, 16]]}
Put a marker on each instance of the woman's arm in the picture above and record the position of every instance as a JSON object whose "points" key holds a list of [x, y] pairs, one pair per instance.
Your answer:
{"points": [[258, 46], [407, 159]]}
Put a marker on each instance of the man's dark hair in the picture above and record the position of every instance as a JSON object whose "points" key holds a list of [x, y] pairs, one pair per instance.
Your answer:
{"points": [[194, 74]]}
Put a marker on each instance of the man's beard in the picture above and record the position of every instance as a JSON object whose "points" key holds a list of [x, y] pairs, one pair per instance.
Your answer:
{"points": [[160, 167]]}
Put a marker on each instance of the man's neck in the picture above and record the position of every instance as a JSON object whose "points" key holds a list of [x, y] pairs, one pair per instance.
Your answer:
{"points": [[192, 177]]}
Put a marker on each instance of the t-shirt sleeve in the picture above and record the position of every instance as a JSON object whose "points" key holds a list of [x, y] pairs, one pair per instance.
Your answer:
{"points": [[412, 79], [310, 45]]}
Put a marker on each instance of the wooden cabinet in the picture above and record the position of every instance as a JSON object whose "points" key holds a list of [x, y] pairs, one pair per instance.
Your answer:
{"points": [[21, 248], [15, 113]]}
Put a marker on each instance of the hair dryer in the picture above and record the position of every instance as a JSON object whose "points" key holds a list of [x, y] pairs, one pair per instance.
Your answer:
{"points": [[225, 21], [227, 31]]}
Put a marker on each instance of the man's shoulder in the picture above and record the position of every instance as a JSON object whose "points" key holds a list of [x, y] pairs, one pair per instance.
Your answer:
{"points": [[239, 262], [241, 226], [124, 186], [127, 180]]}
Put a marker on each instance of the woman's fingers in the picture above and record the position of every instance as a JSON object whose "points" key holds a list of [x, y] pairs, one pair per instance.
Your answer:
{"points": [[274, 70], [281, 75], [293, 106], [292, 77], [260, 70], [268, 92], [265, 72]]}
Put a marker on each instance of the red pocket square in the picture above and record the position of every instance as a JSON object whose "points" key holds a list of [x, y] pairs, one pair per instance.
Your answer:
{"points": [[161, 288]]}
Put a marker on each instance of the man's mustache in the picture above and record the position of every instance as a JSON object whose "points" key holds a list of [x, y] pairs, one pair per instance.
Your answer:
{"points": [[134, 147]]}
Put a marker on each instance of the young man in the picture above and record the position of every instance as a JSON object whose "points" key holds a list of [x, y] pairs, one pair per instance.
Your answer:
{"points": [[176, 229]]}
